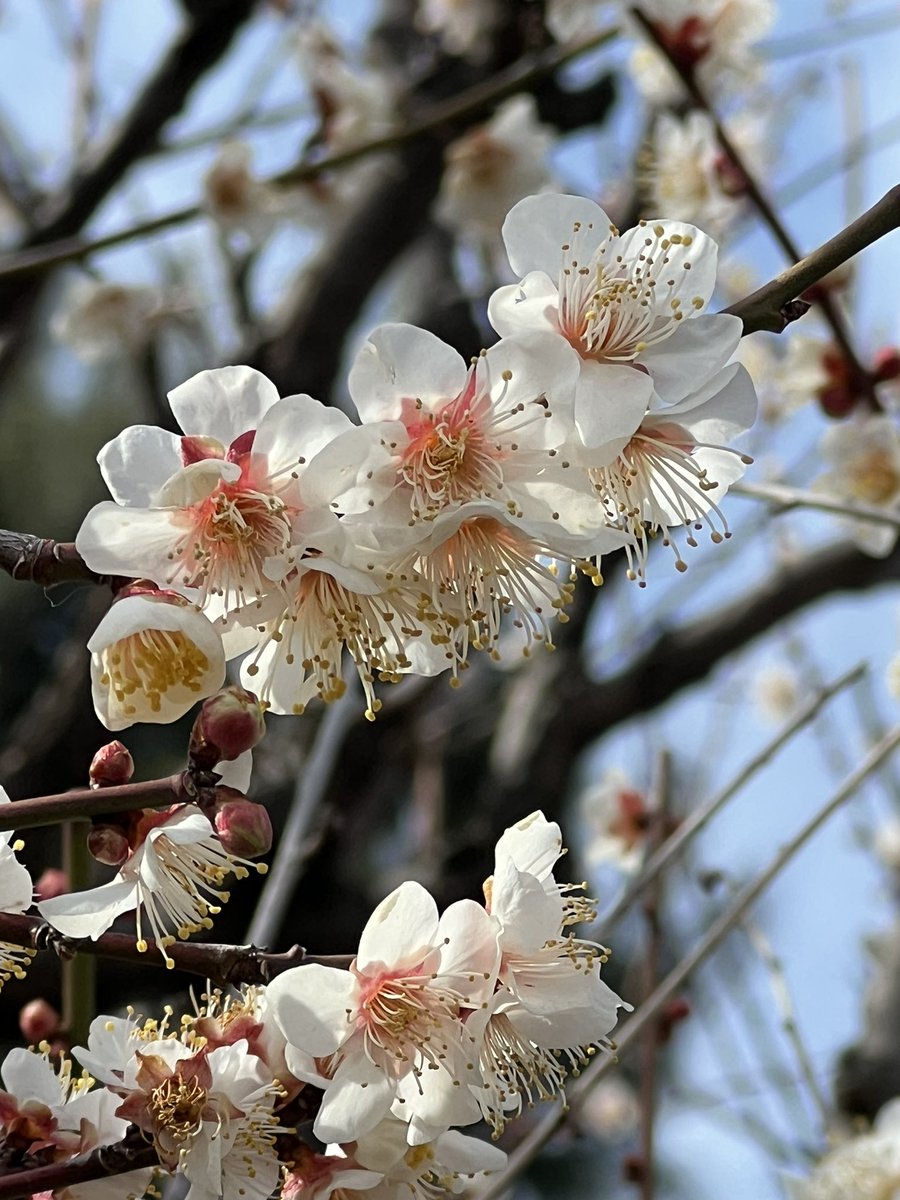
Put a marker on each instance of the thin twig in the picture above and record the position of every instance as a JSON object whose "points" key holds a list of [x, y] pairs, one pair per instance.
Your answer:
{"points": [[761, 201], [651, 969], [695, 821], [531, 1145], [93, 802], [43, 561], [293, 846], [477, 99], [782, 994], [127, 1155], [767, 307], [788, 497]]}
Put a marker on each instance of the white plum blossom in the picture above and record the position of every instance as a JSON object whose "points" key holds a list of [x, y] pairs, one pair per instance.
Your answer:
{"points": [[656, 399], [174, 876], [865, 1167], [100, 318], [48, 1109], [777, 690], [208, 1110], [714, 38], [691, 177], [202, 513], [551, 1008], [236, 199], [618, 819], [864, 461], [153, 656], [461, 432], [16, 895], [392, 1027], [449, 1164], [491, 167]]}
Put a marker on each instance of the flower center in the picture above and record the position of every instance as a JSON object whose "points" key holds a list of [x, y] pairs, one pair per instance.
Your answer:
{"points": [[151, 662], [611, 308], [402, 1017], [177, 1107], [231, 534], [874, 478]]}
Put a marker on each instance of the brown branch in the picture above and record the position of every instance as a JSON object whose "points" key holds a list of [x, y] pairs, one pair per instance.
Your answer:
{"points": [[43, 561], [438, 118], [128, 1155], [224, 964], [93, 802], [763, 205], [767, 308]]}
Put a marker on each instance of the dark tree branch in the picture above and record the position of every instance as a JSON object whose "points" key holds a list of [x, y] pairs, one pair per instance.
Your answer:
{"points": [[128, 1155], [768, 307], [43, 561], [80, 803]]}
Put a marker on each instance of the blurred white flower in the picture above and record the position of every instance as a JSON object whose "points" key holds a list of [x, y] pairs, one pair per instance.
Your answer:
{"points": [[492, 167], [691, 178], [611, 1110], [464, 26], [236, 199], [715, 38], [864, 457], [617, 817], [866, 1167], [99, 319], [776, 690], [887, 836]]}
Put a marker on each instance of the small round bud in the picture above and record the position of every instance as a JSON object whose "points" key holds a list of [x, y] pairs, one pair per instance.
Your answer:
{"points": [[243, 827], [52, 883], [111, 765], [38, 1021], [228, 724], [887, 364], [108, 844]]}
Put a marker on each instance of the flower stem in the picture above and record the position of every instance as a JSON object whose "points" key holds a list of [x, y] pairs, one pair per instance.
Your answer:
{"points": [[91, 802]]}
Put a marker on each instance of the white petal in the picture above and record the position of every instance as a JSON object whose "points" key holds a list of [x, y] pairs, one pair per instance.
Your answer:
{"points": [[529, 306], [536, 229], [401, 930], [223, 403], [294, 428], [699, 347], [717, 413], [138, 462], [470, 954], [402, 362], [522, 370], [128, 541], [529, 916], [468, 1155], [534, 844], [90, 913], [29, 1076], [358, 1097], [610, 403], [16, 889], [310, 1005], [695, 248]]}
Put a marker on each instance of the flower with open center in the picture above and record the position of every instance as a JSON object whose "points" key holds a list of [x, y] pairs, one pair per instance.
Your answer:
{"points": [[392, 1027]]}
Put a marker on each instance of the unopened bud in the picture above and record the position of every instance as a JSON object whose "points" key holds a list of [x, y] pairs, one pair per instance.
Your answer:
{"points": [[887, 364], [111, 765], [243, 827], [38, 1021], [52, 883], [108, 844], [837, 401], [228, 724]]}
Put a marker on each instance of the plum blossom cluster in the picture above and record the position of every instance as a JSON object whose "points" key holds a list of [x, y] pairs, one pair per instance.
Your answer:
{"points": [[442, 1020], [277, 530]]}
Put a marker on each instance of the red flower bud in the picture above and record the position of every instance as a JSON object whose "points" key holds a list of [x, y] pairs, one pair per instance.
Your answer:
{"points": [[228, 724], [243, 827], [111, 765], [887, 364], [38, 1021], [108, 844]]}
